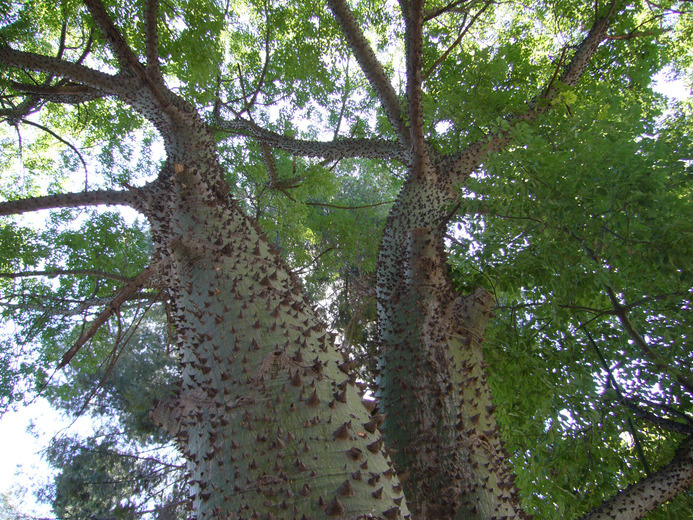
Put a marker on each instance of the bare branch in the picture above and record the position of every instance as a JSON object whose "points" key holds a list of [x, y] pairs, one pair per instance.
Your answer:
{"points": [[463, 31], [66, 143], [371, 67], [642, 497], [340, 148], [71, 200], [54, 306], [111, 309]]}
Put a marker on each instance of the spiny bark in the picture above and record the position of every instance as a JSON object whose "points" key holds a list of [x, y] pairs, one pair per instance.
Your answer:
{"points": [[644, 496], [268, 420], [70, 200], [440, 418]]}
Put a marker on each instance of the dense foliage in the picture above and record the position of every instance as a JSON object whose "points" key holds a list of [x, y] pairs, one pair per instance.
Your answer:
{"points": [[581, 228]]}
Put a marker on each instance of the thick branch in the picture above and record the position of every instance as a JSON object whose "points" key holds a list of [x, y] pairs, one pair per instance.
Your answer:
{"points": [[129, 63], [341, 148], [111, 309], [70, 200], [69, 93], [642, 497], [414, 44], [152, 37], [371, 67], [126, 58], [78, 73], [461, 165]]}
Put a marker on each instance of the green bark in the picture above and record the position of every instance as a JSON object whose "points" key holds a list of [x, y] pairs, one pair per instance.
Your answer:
{"points": [[267, 415], [433, 385]]}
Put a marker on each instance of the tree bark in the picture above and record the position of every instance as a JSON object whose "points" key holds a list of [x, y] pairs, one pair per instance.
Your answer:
{"points": [[266, 416], [646, 495]]}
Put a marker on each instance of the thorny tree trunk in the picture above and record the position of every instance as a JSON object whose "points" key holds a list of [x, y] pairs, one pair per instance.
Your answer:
{"points": [[440, 420], [267, 416]]}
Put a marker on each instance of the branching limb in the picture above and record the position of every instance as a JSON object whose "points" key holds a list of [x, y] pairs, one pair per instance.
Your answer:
{"points": [[371, 68], [662, 422], [126, 57], [111, 309], [116, 41], [646, 495], [106, 83], [341, 148], [462, 164], [71, 200]]}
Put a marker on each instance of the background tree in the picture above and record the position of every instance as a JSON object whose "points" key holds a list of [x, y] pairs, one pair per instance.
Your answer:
{"points": [[545, 173]]}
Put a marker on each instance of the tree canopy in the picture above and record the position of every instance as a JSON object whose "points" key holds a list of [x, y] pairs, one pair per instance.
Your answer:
{"points": [[566, 196]]}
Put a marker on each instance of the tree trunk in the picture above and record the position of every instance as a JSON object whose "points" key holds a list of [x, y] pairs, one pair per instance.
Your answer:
{"points": [[268, 416], [433, 387]]}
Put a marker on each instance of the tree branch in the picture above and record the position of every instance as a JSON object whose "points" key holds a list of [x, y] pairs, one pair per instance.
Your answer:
{"points": [[129, 63], [414, 43], [655, 358], [462, 164], [71, 200], [644, 496], [340, 148], [106, 83], [151, 11], [460, 36], [111, 309], [371, 67], [66, 143], [451, 7], [122, 51], [63, 92]]}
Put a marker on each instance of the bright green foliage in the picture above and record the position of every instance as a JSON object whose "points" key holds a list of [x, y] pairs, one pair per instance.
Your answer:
{"points": [[589, 201], [593, 198]]}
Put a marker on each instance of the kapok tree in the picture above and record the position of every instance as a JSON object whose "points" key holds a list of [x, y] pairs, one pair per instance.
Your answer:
{"points": [[268, 413]]}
